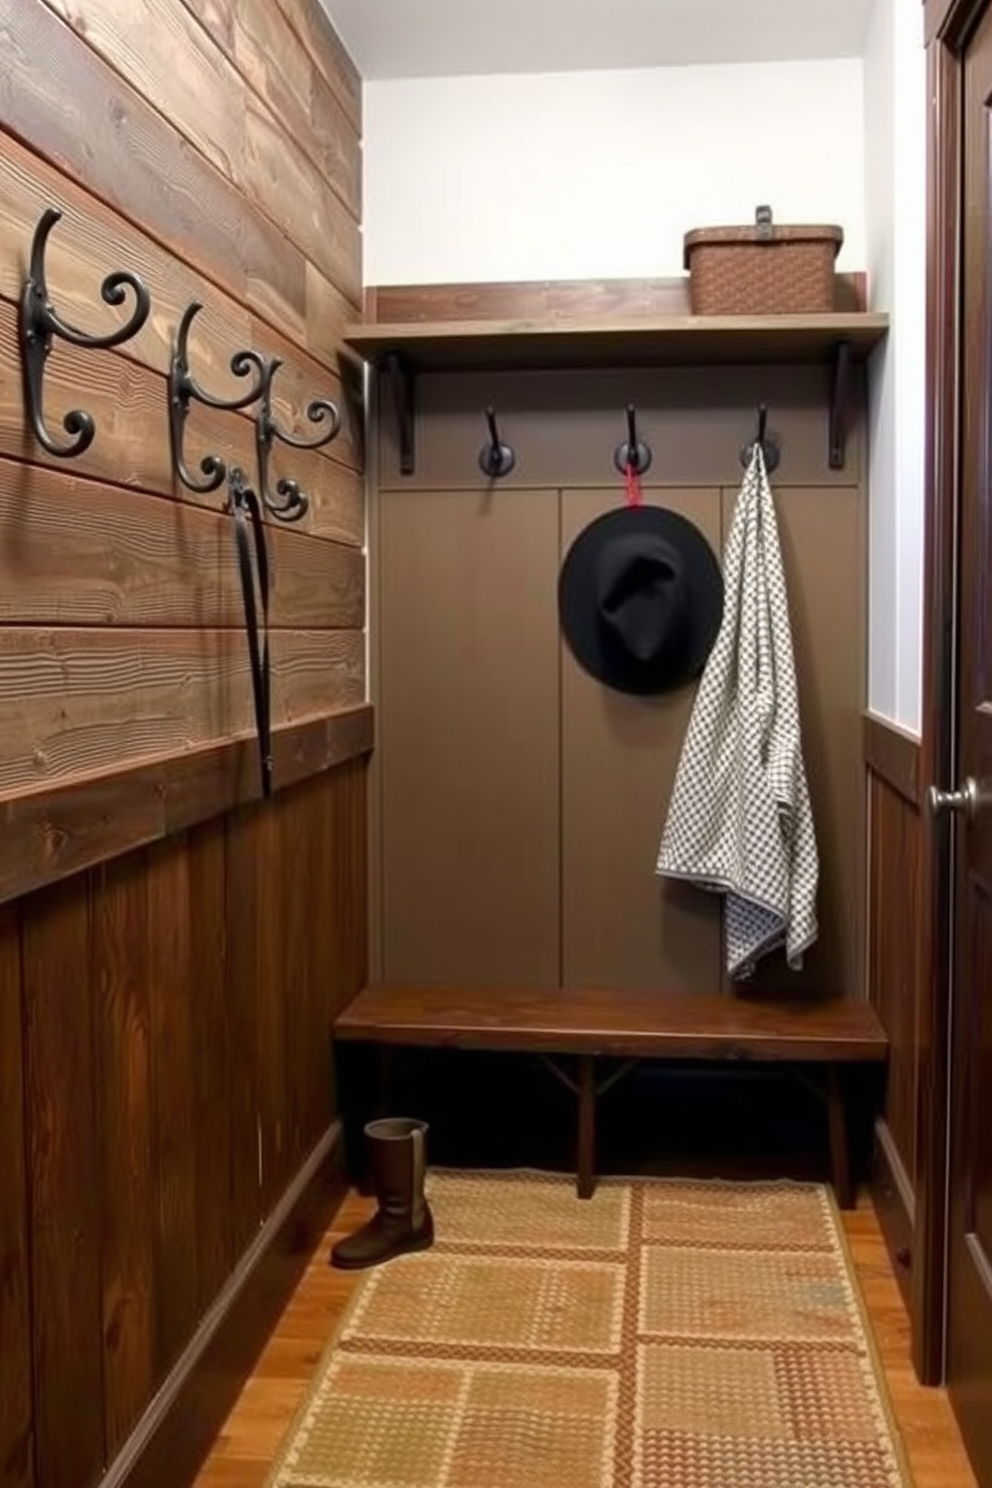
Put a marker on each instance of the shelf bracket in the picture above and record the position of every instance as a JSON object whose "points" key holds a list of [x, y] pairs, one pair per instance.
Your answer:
{"points": [[839, 391], [403, 384]]}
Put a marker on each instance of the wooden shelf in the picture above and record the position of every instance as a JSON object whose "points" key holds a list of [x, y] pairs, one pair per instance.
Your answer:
{"points": [[675, 340], [406, 350]]}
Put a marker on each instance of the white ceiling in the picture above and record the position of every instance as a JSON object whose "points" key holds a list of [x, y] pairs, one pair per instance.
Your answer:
{"points": [[429, 38]]}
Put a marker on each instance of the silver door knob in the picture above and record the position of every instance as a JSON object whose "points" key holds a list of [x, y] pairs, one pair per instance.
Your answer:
{"points": [[964, 801]]}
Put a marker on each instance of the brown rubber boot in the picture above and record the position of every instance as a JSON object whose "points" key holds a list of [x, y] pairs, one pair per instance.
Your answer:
{"points": [[403, 1222]]}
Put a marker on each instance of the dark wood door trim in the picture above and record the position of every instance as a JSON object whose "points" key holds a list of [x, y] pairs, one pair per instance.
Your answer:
{"points": [[937, 762], [894, 754], [950, 21]]}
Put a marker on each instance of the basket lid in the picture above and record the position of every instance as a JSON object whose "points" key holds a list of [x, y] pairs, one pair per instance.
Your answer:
{"points": [[762, 234]]}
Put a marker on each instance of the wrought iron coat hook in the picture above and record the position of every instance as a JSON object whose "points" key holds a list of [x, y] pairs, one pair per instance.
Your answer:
{"points": [[495, 458], [289, 503], [633, 454], [183, 388], [38, 324], [770, 446]]}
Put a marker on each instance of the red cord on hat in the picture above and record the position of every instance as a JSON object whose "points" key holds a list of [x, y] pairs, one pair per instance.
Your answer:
{"points": [[632, 482]]}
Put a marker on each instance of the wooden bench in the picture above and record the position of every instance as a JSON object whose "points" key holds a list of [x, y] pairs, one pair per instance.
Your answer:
{"points": [[832, 1033]]}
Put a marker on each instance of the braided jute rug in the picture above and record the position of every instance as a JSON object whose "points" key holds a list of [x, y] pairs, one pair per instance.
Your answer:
{"points": [[666, 1334]]}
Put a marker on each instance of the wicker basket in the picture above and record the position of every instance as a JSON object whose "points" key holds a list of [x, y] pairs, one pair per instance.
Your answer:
{"points": [[762, 270]]}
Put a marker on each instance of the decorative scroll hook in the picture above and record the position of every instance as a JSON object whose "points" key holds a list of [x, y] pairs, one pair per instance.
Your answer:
{"points": [[183, 387], [289, 503], [634, 454], [38, 324], [495, 458], [769, 446]]}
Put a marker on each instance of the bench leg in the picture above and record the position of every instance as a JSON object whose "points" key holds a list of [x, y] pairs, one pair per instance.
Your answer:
{"points": [[840, 1157], [586, 1156]]}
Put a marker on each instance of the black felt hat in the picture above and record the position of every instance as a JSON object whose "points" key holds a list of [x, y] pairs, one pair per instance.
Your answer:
{"points": [[640, 597]]}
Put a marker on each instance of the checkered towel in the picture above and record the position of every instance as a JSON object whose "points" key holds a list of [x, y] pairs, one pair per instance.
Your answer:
{"points": [[740, 821]]}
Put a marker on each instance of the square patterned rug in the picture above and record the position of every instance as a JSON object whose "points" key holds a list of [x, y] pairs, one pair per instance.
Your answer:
{"points": [[661, 1335]]}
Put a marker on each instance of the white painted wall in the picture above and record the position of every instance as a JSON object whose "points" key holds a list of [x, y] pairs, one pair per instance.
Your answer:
{"points": [[600, 174], [895, 186]]}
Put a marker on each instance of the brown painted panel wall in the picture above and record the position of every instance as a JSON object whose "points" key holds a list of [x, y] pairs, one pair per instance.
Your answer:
{"points": [[468, 687], [612, 775], [174, 1082], [622, 926]]}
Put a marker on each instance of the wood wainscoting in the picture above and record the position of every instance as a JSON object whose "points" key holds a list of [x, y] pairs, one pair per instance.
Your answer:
{"points": [[895, 826], [166, 1098], [172, 951]]}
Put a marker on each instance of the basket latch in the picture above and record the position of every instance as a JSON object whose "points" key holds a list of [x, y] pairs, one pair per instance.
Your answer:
{"points": [[764, 231]]}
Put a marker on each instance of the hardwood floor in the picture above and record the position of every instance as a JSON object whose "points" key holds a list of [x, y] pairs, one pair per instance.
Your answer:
{"points": [[246, 1447]]}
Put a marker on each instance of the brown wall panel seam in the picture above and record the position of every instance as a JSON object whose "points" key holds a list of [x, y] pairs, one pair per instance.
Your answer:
{"points": [[282, 125], [250, 206]]}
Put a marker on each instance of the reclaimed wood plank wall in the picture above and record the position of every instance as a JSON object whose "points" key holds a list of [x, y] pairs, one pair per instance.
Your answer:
{"points": [[171, 950], [215, 150]]}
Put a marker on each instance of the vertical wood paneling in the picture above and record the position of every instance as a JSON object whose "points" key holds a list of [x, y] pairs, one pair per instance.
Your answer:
{"points": [[16, 1458], [243, 905], [171, 979], [164, 1009], [65, 1198], [124, 1104], [211, 1059], [893, 954], [272, 868], [302, 848]]}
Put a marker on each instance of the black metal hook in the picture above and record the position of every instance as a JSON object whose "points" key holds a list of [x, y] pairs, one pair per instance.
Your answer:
{"points": [[633, 454], [770, 447], [496, 459], [183, 387], [293, 503], [38, 323]]}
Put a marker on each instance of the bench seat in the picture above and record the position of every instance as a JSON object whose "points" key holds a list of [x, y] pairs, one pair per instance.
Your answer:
{"points": [[831, 1032]]}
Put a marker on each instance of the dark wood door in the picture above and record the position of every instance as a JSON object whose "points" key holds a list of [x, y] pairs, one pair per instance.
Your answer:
{"points": [[970, 1211]]}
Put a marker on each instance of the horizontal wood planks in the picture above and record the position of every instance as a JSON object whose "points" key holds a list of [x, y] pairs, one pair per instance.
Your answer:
{"points": [[164, 1087], [216, 151], [85, 554], [48, 835], [75, 702]]}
